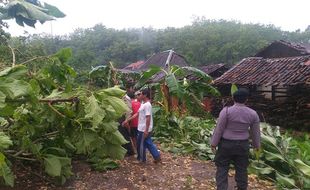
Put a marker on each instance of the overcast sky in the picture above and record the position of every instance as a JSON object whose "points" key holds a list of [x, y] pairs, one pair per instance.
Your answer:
{"points": [[288, 15]]}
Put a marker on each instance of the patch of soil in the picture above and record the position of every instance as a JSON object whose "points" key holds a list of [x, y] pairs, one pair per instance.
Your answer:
{"points": [[175, 172]]}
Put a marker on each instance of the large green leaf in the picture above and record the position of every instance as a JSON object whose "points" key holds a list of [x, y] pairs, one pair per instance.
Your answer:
{"points": [[110, 127], [260, 167], [104, 164], [84, 139], [118, 104], [64, 54], [115, 138], [52, 166], [147, 75], [5, 141], [285, 181], [14, 88], [304, 168], [199, 73], [29, 12], [274, 156], [114, 151], [94, 111], [6, 172], [114, 91], [53, 11], [57, 166], [2, 100], [173, 85], [233, 89], [15, 72], [271, 141]]}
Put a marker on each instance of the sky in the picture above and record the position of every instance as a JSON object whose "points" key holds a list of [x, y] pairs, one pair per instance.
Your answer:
{"points": [[119, 14]]}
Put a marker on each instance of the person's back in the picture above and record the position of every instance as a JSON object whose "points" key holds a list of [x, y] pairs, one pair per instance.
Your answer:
{"points": [[231, 136], [240, 119]]}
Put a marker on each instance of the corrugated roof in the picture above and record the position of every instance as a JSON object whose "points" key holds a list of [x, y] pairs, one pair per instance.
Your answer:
{"points": [[276, 71], [160, 59]]}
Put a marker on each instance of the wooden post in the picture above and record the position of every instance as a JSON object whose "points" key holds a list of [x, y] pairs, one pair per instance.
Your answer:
{"points": [[273, 93]]}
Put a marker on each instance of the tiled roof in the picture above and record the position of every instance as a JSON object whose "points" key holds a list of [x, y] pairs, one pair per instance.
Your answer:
{"points": [[211, 68], [304, 48], [300, 49], [134, 66], [276, 71]]}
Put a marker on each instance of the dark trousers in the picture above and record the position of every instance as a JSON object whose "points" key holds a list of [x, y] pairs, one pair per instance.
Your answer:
{"points": [[146, 143], [237, 153], [124, 131]]}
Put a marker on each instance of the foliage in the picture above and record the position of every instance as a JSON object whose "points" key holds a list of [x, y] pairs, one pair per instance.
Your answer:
{"points": [[29, 12], [107, 76], [283, 159], [174, 92], [188, 135], [201, 43], [45, 119]]}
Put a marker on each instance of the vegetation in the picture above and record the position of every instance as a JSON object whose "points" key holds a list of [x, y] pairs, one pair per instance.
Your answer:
{"points": [[49, 114], [28, 12], [203, 42], [284, 159], [45, 118]]}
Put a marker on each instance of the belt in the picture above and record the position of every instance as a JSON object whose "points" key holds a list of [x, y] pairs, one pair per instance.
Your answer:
{"points": [[241, 140]]}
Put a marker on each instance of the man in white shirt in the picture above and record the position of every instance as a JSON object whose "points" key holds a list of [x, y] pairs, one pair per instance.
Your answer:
{"points": [[145, 126]]}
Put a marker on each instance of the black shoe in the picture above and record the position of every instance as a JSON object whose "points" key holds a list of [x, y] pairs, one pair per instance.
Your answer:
{"points": [[158, 160]]}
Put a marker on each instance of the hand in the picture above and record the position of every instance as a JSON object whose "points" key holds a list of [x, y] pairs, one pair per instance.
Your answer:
{"points": [[127, 126], [125, 123], [213, 148], [146, 133]]}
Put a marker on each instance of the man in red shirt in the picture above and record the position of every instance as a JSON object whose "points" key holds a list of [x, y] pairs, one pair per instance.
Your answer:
{"points": [[135, 104]]}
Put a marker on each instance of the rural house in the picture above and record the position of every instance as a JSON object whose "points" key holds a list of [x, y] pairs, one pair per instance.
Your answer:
{"points": [[279, 87]]}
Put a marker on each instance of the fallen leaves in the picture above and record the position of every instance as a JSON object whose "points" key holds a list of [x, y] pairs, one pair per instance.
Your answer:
{"points": [[175, 172]]}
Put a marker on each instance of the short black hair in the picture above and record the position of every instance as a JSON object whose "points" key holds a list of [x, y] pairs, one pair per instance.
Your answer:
{"points": [[146, 92], [241, 95], [131, 95]]}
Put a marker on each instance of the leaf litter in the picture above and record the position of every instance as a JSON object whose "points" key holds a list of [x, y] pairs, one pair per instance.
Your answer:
{"points": [[175, 172]]}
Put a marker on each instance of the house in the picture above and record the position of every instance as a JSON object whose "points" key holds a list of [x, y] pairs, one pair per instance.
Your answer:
{"points": [[279, 86], [281, 48], [162, 59], [165, 58], [215, 70], [134, 66], [271, 77]]}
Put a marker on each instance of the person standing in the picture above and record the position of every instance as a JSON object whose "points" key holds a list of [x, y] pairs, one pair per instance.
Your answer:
{"points": [[125, 129], [135, 104], [145, 127], [235, 125]]}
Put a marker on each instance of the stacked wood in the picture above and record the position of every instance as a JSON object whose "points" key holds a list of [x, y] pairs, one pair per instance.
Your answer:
{"points": [[293, 113]]}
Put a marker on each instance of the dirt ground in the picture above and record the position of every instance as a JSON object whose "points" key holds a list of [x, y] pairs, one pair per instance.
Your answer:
{"points": [[175, 172]]}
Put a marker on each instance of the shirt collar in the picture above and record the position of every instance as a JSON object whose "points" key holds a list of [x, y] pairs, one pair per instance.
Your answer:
{"points": [[238, 104]]}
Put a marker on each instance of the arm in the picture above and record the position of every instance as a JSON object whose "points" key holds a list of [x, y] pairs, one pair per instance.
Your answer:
{"points": [[130, 118], [219, 129], [127, 100], [255, 133], [148, 121]]}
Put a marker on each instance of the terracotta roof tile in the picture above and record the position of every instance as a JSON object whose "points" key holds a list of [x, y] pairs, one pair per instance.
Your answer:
{"points": [[276, 71]]}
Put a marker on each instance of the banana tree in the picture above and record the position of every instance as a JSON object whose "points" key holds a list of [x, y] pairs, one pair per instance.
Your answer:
{"points": [[283, 159], [176, 92], [29, 12]]}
